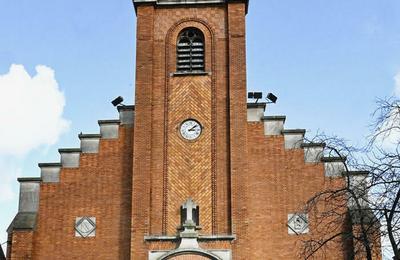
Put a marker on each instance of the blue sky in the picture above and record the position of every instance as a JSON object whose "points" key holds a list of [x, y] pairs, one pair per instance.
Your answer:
{"points": [[327, 61]]}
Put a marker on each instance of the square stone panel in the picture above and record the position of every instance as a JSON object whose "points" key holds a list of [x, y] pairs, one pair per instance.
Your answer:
{"points": [[298, 224], [85, 227]]}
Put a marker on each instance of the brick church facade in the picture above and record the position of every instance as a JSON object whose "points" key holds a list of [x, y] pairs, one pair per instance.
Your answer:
{"points": [[192, 171]]}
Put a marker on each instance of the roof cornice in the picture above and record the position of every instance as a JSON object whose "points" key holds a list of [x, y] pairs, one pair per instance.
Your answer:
{"points": [[185, 2]]}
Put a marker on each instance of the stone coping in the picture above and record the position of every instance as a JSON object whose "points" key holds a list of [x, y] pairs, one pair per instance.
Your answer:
{"points": [[69, 150], [306, 145], [126, 108], [49, 165], [187, 2], [257, 105], [294, 131], [89, 136], [109, 122], [333, 159], [29, 179], [274, 118], [357, 173]]}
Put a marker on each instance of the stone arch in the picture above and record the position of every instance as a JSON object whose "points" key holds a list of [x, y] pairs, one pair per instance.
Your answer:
{"points": [[191, 254]]}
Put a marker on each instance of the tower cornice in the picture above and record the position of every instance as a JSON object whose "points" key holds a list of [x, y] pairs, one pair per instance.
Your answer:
{"points": [[186, 2]]}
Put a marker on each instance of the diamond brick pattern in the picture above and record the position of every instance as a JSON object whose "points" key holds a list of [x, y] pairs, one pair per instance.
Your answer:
{"points": [[189, 162]]}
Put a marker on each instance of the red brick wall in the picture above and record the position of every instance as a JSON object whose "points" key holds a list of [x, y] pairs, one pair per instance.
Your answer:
{"points": [[21, 248], [157, 33], [101, 188], [168, 23], [245, 183], [280, 183], [142, 149]]}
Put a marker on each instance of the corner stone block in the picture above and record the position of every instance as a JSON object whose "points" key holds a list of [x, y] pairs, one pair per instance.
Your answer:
{"points": [[29, 194], [313, 152], [255, 112], [90, 143], [50, 172], [273, 125], [109, 129], [126, 115], [293, 138], [334, 166], [70, 157]]}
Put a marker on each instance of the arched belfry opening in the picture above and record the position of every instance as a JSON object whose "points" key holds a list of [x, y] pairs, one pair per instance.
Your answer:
{"points": [[190, 50]]}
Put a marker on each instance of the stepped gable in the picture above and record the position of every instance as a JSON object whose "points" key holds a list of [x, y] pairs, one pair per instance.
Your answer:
{"points": [[64, 185], [191, 171], [284, 172]]}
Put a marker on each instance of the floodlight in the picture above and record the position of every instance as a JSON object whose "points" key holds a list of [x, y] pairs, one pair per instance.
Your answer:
{"points": [[117, 101], [257, 95], [254, 95], [272, 98]]}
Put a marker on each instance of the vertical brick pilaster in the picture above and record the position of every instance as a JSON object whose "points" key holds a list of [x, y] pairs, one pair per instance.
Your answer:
{"points": [[142, 136], [238, 119]]}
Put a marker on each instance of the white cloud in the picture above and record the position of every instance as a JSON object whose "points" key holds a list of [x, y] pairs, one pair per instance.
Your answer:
{"points": [[31, 110]]}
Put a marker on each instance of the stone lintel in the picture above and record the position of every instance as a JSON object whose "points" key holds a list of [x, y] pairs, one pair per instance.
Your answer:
{"points": [[200, 238]]}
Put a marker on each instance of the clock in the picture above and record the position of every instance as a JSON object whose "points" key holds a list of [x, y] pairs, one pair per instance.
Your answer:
{"points": [[190, 129]]}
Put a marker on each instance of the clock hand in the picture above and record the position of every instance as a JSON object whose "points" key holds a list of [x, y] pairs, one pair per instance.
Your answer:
{"points": [[192, 129]]}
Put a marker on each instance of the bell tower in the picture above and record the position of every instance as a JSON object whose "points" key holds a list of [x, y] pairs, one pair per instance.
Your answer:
{"points": [[190, 128]]}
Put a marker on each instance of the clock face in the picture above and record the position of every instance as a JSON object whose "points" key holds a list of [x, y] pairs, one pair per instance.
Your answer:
{"points": [[190, 129]]}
